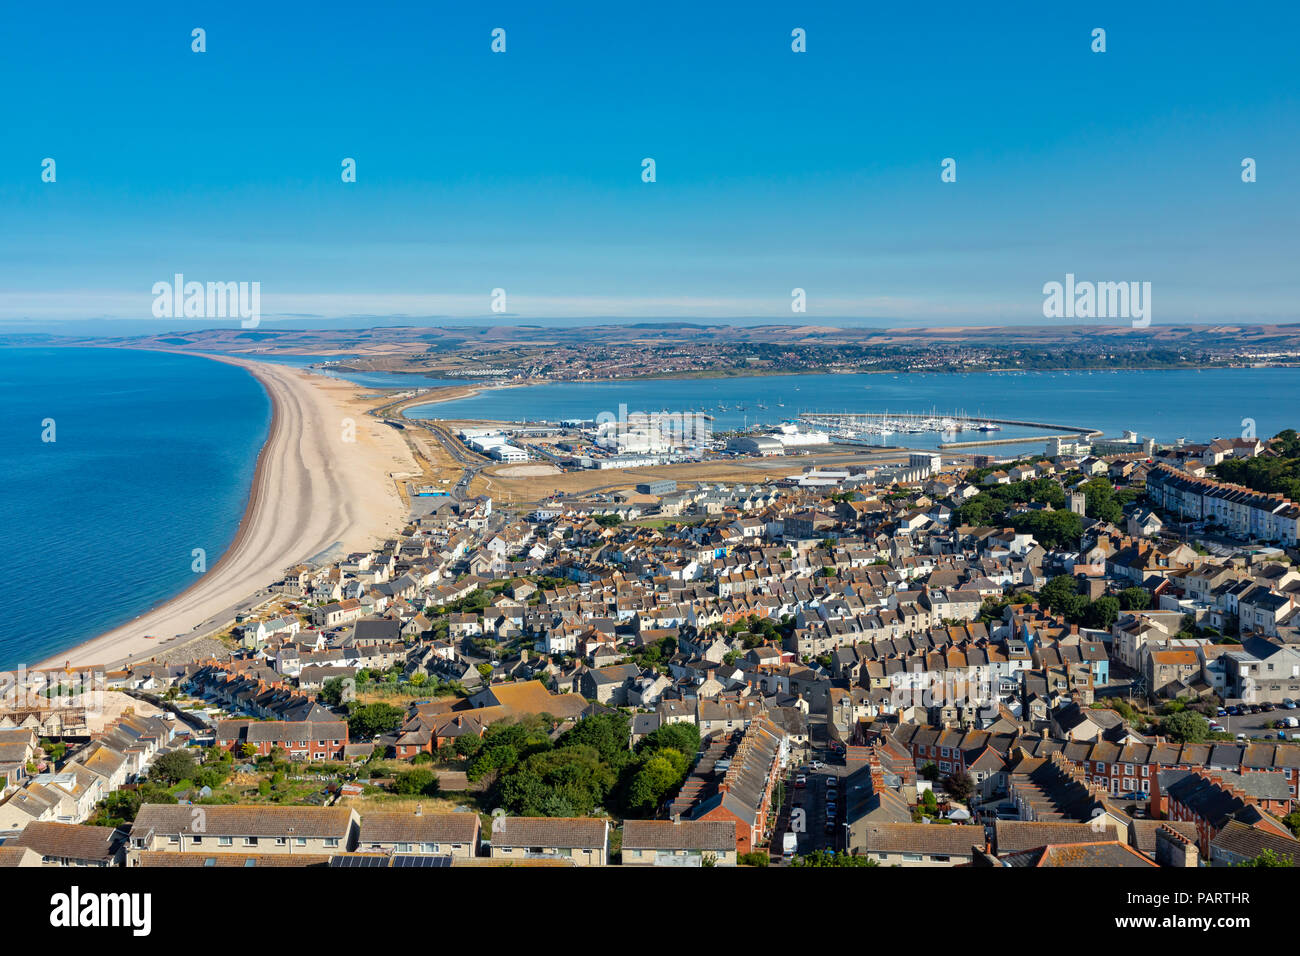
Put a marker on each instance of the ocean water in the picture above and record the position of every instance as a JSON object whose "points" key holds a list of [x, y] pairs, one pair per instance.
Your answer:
{"points": [[1162, 404], [153, 457]]}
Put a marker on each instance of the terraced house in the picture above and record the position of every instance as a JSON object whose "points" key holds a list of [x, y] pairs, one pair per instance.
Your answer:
{"points": [[430, 834], [242, 829], [582, 841]]}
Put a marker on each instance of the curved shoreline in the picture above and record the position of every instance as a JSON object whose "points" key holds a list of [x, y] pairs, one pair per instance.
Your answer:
{"points": [[305, 498]]}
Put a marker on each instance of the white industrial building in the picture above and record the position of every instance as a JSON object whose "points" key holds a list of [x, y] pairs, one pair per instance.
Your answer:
{"points": [[494, 445], [790, 436]]}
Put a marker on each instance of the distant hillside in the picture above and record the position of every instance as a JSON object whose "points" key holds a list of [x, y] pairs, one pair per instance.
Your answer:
{"points": [[411, 339]]}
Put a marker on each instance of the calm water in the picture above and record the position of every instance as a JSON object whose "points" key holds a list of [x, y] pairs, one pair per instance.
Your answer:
{"points": [[153, 457], [368, 379], [1165, 405]]}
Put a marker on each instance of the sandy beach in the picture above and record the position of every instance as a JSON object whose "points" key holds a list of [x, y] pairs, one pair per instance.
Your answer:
{"points": [[314, 490]]}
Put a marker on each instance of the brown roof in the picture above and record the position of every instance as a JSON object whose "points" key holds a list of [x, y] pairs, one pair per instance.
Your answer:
{"points": [[69, 841], [12, 855], [427, 828], [580, 832], [1092, 854], [161, 818], [1012, 836], [952, 839], [684, 835]]}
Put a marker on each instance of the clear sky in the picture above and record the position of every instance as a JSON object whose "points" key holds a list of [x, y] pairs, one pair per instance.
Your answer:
{"points": [[775, 169]]}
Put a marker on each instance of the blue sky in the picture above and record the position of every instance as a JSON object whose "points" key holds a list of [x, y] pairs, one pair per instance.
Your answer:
{"points": [[775, 170]]}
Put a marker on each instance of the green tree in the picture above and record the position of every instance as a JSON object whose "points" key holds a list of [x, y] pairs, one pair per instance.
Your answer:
{"points": [[1269, 858], [822, 858], [332, 691], [417, 782], [1102, 613], [1099, 501], [960, 785], [682, 737], [1186, 727], [467, 745], [173, 767], [1061, 594], [659, 775], [1134, 599], [366, 721]]}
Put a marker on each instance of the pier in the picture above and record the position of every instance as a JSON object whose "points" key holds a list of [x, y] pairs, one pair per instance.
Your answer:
{"points": [[867, 419]]}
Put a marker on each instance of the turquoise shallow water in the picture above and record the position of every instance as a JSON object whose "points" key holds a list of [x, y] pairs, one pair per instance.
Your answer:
{"points": [[153, 457]]}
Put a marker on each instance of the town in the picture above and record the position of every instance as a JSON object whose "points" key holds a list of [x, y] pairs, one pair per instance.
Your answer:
{"points": [[1089, 657]]}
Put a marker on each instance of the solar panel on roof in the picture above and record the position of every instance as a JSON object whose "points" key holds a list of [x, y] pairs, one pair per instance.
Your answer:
{"points": [[350, 862], [421, 861]]}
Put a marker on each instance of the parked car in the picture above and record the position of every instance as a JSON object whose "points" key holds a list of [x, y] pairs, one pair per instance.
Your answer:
{"points": [[1234, 711], [832, 783], [1288, 703], [801, 781], [1222, 712]]}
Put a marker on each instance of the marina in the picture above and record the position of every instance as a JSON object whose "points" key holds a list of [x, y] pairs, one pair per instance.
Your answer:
{"points": [[875, 427]]}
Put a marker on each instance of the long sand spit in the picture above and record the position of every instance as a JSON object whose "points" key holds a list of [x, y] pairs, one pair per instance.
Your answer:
{"points": [[313, 490]]}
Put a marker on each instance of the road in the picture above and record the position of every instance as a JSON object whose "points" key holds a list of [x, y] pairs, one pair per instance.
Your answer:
{"points": [[810, 804], [472, 463]]}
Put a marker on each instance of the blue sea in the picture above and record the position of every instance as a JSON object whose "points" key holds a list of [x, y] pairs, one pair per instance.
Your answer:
{"points": [[1162, 404], [154, 453], [153, 456]]}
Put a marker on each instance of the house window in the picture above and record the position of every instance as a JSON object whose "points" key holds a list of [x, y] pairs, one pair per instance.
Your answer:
{"points": [[250, 841], [225, 841], [332, 842]]}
